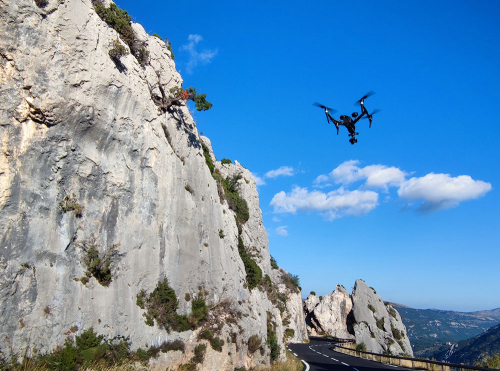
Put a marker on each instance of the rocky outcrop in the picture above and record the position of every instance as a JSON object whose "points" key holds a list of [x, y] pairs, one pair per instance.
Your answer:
{"points": [[362, 317], [377, 324], [89, 163], [329, 316]]}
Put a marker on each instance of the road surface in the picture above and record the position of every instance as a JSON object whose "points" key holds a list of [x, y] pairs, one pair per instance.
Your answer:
{"points": [[319, 356]]}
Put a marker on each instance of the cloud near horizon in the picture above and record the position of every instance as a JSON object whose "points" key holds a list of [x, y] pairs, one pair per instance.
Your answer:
{"points": [[376, 176], [282, 231], [333, 205], [433, 192], [196, 57], [282, 171], [441, 191]]}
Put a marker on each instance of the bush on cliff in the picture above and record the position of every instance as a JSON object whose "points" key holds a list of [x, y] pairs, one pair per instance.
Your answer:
{"points": [[162, 304]]}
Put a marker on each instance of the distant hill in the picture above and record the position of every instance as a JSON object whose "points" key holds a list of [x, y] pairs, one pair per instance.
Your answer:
{"points": [[431, 329], [472, 350]]}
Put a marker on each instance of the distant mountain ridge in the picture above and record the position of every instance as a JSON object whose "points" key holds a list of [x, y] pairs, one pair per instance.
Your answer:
{"points": [[472, 350], [431, 329]]}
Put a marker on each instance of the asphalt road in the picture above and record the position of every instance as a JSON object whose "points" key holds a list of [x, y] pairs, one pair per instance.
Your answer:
{"points": [[320, 357]]}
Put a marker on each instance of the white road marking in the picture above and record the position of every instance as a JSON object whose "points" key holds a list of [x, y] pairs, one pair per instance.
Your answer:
{"points": [[295, 354], [338, 360], [345, 364], [355, 368], [307, 366]]}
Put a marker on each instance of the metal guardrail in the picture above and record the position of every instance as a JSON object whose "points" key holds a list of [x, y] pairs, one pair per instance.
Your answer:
{"points": [[412, 363]]}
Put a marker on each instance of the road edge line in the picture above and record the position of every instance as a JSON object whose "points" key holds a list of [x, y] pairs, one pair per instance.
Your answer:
{"points": [[307, 366]]}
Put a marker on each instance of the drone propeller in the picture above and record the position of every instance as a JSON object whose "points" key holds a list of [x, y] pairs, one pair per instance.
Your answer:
{"points": [[324, 107], [370, 116], [369, 94]]}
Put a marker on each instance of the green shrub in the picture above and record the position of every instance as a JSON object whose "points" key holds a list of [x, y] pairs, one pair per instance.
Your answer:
{"points": [[274, 264], [69, 203], [141, 296], [199, 353], [361, 347], [226, 161], [117, 50], [158, 36], [162, 304], [396, 333], [289, 333], [236, 203], [312, 293], [199, 310], [169, 47], [118, 19], [216, 343], [490, 362], [272, 340], [380, 323], [142, 55], [391, 311], [208, 159], [252, 270], [320, 298], [173, 346], [221, 233], [98, 263], [372, 308]]}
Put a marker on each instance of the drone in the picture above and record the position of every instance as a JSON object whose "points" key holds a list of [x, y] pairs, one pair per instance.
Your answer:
{"points": [[349, 123]]}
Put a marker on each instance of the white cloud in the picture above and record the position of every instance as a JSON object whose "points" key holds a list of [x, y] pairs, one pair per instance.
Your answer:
{"points": [[276, 219], [258, 180], [282, 230], [376, 176], [441, 191], [196, 57], [332, 205], [282, 171]]}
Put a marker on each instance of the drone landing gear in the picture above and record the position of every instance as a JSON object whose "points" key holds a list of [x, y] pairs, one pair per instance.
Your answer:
{"points": [[353, 140]]}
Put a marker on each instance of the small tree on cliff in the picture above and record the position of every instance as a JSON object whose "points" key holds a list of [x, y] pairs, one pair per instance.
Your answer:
{"points": [[178, 97], [182, 95]]}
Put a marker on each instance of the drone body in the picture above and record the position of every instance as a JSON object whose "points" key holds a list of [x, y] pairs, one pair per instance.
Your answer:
{"points": [[346, 121]]}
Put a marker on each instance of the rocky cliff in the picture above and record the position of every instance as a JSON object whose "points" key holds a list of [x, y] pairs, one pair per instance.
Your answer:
{"points": [[362, 317], [105, 194]]}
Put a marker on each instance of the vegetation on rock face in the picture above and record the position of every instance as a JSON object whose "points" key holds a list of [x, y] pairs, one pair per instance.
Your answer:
{"points": [[361, 347], [120, 21], [98, 263], [254, 343], [69, 203], [178, 94], [226, 161], [253, 271], [274, 264], [272, 340], [162, 304], [490, 362], [90, 351], [117, 50], [380, 323]]}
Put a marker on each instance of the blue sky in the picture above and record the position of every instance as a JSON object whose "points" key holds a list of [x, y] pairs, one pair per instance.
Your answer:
{"points": [[413, 207]]}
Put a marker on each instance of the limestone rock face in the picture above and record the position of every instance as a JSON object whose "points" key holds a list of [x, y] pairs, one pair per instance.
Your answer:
{"points": [[76, 129], [329, 316], [363, 317], [377, 325]]}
